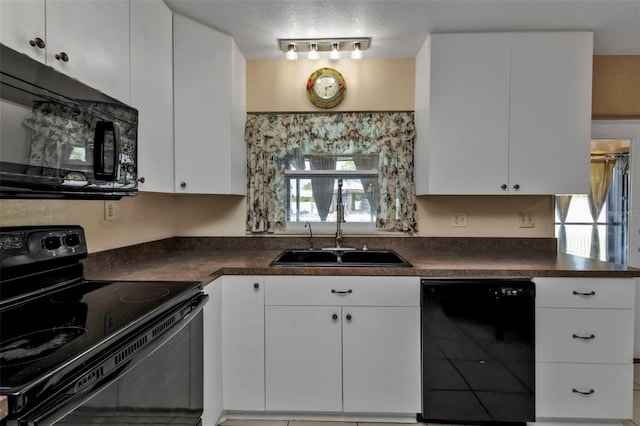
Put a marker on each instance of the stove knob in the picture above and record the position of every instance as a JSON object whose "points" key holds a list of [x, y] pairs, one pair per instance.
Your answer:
{"points": [[71, 240], [51, 243]]}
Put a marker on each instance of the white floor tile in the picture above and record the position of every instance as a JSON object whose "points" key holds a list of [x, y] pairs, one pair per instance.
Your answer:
{"points": [[320, 423], [241, 422]]}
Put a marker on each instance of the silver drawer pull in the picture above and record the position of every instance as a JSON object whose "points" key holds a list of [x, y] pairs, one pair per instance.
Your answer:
{"points": [[590, 337], [577, 293], [334, 291], [589, 392]]}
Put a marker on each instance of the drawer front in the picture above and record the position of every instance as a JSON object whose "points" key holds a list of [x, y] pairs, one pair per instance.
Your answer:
{"points": [[339, 290], [584, 335], [608, 391], [616, 293]]}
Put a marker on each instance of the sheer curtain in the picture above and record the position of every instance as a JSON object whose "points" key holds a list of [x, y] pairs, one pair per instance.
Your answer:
{"points": [[272, 138], [562, 210], [368, 162], [322, 188], [601, 174]]}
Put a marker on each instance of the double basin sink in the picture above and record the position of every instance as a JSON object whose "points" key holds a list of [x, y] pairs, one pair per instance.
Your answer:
{"points": [[340, 258]]}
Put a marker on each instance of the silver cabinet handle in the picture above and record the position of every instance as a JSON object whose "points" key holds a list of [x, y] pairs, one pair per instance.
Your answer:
{"points": [[334, 291], [589, 392], [577, 293], [590, 337]]}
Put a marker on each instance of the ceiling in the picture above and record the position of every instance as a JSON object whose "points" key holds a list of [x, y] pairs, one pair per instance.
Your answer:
{"points": [[399, 27]]}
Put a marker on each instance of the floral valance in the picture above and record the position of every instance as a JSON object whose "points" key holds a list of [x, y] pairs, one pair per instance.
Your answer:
{"points": [[272, 138]]}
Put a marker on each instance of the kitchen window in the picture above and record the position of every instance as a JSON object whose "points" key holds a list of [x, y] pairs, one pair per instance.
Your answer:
{"points": [[606, 236], [313, 190], [295, 160]]}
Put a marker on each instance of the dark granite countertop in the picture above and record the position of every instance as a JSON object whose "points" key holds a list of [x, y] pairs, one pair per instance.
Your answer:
{"points": [[204, 259]]}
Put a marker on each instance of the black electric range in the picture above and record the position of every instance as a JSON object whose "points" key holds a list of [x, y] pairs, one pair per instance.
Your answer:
{"points": [[65, 340]]}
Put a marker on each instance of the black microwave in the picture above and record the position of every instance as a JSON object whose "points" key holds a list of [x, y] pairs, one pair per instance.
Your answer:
{"points": [[60, 138]]}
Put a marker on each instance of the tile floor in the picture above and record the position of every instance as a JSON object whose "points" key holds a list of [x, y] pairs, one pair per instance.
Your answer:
{"points": [[636, 398], [633, 422]]}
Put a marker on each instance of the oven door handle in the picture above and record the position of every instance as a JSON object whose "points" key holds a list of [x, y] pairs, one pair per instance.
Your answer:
{"points": [[58, 408]]}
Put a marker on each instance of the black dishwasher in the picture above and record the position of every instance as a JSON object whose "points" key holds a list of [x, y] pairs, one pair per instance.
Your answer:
{"points": [[478, 358]]}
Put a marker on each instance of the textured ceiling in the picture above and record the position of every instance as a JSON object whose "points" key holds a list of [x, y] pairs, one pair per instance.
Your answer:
{"points": [[399, 27]]}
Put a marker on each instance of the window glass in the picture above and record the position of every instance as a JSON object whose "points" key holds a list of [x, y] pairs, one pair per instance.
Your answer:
{"points": [[312, 186]]}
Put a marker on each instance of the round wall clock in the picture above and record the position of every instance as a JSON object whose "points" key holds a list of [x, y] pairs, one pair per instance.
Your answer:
{"points": [[326, 88]]}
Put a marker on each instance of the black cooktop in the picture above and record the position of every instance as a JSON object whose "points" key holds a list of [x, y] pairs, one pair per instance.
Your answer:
{"points": [[47, 332]]}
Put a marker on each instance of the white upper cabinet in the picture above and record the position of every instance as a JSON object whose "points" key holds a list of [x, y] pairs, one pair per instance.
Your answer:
{"points": [[88, 40], [22, 27], [152, 92], [210, 111], [504, 113], [550, 112]]}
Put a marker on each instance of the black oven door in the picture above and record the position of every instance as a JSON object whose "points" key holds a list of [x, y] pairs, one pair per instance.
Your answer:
{"points": [[163, 385]]}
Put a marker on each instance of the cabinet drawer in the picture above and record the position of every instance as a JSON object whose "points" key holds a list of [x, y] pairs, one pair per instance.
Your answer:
{"points": [[618, 293], [601, 335], [351, 291], [612, 386]]}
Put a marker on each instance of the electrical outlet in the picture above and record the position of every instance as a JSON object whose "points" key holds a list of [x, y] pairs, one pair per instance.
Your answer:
{"points": [[459, 219], [110, 210], [526, 220]]}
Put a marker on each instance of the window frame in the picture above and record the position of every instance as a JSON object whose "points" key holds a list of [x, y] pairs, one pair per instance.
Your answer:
{"points": [[322, 228]]}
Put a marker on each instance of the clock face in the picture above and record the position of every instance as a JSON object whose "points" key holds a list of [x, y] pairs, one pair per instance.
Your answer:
{"points": [[326, 88]]}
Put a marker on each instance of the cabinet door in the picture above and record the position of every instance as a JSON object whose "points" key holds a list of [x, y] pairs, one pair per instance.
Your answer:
{"points": [[212, 338], [243, 343], [584, 391], [152, 92], [303, 358], [95, 37], [209, 78], [381, 359], [469, 114], [22, 21], [550, 111]]}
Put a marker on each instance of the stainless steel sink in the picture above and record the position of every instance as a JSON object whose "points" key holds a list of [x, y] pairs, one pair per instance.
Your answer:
{"points": [[339, 258]]}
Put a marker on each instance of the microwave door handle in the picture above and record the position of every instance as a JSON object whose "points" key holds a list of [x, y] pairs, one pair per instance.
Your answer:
{"points": [[101, 153], [116, 152]]}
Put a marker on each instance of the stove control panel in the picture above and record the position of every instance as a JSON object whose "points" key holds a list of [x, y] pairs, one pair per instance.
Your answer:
{"points": [[31, 244]]}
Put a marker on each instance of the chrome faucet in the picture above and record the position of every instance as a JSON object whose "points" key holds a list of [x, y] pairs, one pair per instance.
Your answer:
{"points": [[308, 225], [339, 215]]}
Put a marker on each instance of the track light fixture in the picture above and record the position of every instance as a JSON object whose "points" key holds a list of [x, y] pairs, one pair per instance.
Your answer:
{"points": [[291, 52], [335, 51], [356, 53], [315, 46], [313, 52]]}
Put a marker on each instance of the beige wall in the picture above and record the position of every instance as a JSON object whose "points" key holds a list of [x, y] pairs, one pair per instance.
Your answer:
{"points": [[372, 85], [142, 218], [487, 216]]}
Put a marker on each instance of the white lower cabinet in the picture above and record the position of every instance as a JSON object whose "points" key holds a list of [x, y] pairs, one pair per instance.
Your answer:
{"points": [[585, 391], [243, 343], [332, 356], [381, 359], [303, 359], [584, 348], [212, 349]]}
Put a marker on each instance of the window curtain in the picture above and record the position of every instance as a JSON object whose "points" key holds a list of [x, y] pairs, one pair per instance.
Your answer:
{"points": [[601, 174], [272, 139], [368, 185], [322, 188], [562, 210]]}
